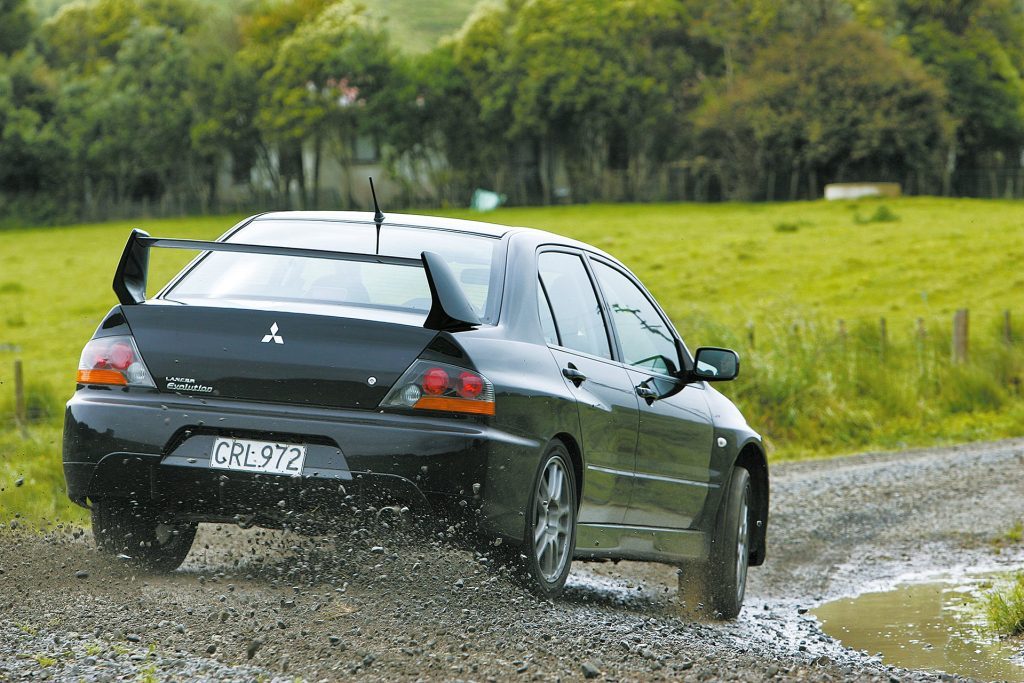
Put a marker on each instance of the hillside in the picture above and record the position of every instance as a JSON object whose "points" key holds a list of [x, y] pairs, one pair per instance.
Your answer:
{"points": [[416, 26]]}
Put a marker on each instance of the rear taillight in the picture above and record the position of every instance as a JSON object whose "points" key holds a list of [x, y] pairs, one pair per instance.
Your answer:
{"points": [[427, 385], [113, 361]]}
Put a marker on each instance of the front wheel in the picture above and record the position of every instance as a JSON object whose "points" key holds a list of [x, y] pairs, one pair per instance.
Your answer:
{"points": [[726, 578], [545, 557], [123, 527]]}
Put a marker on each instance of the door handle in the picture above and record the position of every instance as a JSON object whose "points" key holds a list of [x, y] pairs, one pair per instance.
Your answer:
{"points": [[646, 393], [574, 375]]}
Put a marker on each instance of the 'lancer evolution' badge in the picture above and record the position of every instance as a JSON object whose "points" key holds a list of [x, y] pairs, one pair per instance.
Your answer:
{"points": [[273, 336]]}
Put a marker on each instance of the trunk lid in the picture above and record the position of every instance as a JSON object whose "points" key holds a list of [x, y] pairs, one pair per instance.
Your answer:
{"points": [[308, 357]]}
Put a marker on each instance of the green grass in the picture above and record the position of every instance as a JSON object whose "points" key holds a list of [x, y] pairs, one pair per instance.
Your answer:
{"points": [[1011, 537], [721, 271], [1003, 608], [730, 263]]}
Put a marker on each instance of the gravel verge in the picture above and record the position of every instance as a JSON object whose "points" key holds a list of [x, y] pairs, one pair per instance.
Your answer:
{"points": [[253, 604]]}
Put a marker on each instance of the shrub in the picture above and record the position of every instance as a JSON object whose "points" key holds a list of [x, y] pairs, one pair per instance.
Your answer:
{"points": [[1004, 608], [883, 214]]}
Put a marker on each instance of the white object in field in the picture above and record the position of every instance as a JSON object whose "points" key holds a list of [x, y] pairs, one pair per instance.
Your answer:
{"points": [[859, 190], [485, 200]]}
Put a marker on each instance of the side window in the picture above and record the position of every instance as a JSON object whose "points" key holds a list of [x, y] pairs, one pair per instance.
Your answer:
{"points": [[646, 339], [547, 320], [574, 303]]}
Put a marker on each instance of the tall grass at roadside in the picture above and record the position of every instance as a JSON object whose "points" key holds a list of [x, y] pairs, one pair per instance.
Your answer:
{"points": [[31, 478], [32, 488], [1003, 608], [812, 389]]}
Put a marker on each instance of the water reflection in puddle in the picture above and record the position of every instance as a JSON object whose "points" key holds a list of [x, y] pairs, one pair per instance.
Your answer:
{"points": [[934, 626]]}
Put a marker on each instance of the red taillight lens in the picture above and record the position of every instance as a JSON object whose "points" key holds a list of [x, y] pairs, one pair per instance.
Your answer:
{"points": [[471, 385], [113, 361], [120, 356], [428, 385], [435, 381]]}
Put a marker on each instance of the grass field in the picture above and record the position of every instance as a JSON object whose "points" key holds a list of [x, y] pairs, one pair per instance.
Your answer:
{"points": [[785, 272]]}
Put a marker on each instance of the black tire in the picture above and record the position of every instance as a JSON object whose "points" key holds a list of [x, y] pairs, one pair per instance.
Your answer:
{"points": [[123, 527], [544, 572], [726, 578]]}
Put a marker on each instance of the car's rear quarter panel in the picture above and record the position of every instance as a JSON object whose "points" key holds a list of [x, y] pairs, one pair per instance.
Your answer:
{"points": [[534, 404]]}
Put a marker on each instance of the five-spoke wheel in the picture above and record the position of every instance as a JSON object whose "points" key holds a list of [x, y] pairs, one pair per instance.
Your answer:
{"points": [[546, 557]]}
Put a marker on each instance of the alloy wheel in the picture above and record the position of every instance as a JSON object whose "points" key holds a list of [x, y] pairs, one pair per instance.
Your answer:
{"points": [[552, 523]]}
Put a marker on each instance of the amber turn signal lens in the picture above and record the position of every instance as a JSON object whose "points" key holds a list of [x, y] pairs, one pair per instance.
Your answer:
{"points": [[101, 377], [456, 405]]}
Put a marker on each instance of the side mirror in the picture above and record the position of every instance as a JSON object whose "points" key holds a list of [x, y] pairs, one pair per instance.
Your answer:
{"points": [[713, 364]]}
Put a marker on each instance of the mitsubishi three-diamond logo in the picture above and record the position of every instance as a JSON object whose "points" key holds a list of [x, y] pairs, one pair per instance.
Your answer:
{"points": [[273, 336]]}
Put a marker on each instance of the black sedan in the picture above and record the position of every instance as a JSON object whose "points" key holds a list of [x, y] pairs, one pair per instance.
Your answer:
{"points": [[314, 362]]}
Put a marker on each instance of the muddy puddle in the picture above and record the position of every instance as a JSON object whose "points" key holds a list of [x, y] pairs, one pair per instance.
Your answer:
{"points": [[936, 626]]}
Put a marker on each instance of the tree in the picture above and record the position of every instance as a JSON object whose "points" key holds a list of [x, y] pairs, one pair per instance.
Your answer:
{"points": [[16, 24], [842, 106], [976, 47], [223, 93], [83, 37], [324, 84], [32, 154], [128, 125], [604, 84], [742, 28]]}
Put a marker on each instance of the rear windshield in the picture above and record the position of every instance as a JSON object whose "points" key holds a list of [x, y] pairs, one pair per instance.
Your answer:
{"points": [[265, 277]]}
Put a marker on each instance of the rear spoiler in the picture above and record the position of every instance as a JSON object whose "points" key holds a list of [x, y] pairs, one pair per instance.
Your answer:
{"points": [[449, 308]]}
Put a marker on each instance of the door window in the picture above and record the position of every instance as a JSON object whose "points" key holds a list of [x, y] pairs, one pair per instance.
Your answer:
{"points": [[574, 303], [646, 339]]}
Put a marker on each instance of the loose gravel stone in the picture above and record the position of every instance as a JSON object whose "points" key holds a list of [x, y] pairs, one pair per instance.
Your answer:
{"points": [[254, 647]]}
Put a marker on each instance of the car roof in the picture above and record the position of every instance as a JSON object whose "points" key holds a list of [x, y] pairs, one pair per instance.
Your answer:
{"points": [[405, 220], [482, 228]]}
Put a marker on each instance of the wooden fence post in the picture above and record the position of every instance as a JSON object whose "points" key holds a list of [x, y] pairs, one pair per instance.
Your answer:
{"points": [[20, 415], [960, 335], [1007, 328]]}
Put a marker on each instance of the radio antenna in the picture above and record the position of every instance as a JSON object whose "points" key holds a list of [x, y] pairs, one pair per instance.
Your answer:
{"points": [[378, 217]]}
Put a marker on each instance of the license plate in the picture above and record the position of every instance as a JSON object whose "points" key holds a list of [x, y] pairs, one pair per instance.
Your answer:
{"points": [[257, 456]]}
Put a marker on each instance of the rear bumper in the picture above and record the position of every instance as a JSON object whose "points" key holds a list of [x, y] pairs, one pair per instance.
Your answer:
{"points": [[157, 447]]}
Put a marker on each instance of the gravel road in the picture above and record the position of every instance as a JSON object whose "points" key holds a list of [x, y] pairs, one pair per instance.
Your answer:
{"points": [[254, 604]]}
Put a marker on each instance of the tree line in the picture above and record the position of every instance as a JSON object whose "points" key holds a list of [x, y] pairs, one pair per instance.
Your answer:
{"points": [[107, 104]]}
